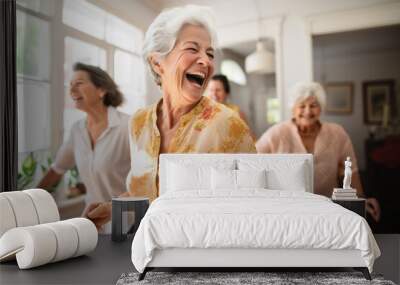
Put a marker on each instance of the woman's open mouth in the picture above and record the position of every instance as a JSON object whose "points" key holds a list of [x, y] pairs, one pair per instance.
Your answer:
{"points": [[76, 99], [197, 78]]}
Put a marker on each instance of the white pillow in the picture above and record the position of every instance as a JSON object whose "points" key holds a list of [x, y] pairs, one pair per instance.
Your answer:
{"points": [[185, 175], [280, 174], [291, 180], [181, 177], [226, 179], [223, 179], [251, 178]]}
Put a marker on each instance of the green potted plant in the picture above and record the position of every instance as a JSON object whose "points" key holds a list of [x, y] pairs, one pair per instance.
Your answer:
{"points": [[28, 169], [75, 188], [45, 168]]}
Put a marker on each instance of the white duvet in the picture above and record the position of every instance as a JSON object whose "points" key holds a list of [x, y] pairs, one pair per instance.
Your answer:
{"points": [[253, 218]]}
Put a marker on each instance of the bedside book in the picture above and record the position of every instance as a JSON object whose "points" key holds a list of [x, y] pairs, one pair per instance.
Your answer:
{"points": [[344, 198], [346, 191], [344, 194]]}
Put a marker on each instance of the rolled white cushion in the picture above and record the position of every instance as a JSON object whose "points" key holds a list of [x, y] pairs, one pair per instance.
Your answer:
{"points": [[40, 244], [45, 205], [33, 246], [87, 235], [23, 208], [7, 218], [67, 240]]}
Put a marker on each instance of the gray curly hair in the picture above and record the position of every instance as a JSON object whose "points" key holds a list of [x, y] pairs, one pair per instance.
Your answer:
{"points": [[304, 90], [162, 34]]}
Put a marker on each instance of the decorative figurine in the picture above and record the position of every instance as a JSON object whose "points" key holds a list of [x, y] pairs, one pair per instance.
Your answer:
{"points": [[345, 193], [347, 174]]}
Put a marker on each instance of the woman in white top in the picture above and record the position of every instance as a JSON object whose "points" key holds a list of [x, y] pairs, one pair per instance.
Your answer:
{"points": [[99, 144]]}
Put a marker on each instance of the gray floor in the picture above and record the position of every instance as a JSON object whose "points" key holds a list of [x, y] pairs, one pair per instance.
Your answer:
{"points": [[102, 266], [389, 263], [106, 264]]}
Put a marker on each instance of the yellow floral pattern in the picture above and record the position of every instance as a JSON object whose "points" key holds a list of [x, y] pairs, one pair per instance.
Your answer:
{"points": [[233, 107], [209, 127]]}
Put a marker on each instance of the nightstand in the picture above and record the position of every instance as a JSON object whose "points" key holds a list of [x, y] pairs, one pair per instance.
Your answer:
{"points": [[120, 205], [355, 205]]}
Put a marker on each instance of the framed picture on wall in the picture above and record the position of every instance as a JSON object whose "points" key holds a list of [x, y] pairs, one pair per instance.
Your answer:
{"points": [[339, 97], [379, 101]]}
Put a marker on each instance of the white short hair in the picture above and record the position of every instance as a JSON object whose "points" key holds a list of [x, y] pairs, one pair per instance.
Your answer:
{"points": [[304, 90], [162, 34]]}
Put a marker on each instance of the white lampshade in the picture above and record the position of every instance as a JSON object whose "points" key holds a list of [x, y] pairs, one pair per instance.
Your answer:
{"points": [[261, 61]]}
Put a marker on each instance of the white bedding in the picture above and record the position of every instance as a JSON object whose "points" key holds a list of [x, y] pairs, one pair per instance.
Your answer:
{"points": [[251, 218]]}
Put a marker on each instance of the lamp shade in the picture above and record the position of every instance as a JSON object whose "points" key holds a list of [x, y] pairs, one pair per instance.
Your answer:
{"points": [[261, 61]]}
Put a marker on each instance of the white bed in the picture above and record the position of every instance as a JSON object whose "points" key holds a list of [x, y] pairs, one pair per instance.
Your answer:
{"points": [[201, 219]]}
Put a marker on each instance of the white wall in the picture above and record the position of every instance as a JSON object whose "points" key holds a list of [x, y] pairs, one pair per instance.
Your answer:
{"points": [[296, 57], [357, 57]]}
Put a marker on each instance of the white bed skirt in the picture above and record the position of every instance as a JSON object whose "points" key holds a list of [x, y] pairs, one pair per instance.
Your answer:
{"points": [[193, 257]]}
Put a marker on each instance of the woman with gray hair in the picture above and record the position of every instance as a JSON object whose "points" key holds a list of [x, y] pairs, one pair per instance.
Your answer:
{"points": [[328, 142], [179, 50]]}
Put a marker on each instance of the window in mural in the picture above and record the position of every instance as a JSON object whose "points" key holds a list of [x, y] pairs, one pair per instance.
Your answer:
{"points": [[233, 71], [51, 37], [128, 73], [33, 93], [273, 112]]}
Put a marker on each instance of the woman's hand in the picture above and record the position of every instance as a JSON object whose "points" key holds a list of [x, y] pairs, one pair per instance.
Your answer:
{"points": [[98, 213], [373, 209], [49, 180]]}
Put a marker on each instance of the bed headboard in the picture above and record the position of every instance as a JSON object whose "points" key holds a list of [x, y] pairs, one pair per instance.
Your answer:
{"points": [[268, 161]]}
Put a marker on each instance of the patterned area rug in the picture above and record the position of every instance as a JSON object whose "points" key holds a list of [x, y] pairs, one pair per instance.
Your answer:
{"points": [[229, 278]]}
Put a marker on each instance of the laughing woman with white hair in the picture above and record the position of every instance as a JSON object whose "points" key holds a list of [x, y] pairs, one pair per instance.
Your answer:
{"points": [[179, 50], [328, 142]]}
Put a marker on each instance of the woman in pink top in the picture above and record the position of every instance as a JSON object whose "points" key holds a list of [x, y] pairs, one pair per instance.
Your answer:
{"points": [[328, 142]]}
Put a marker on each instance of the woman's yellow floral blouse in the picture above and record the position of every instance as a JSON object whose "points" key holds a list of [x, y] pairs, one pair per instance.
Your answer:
{"points": [[209, 127], [233, 107]]}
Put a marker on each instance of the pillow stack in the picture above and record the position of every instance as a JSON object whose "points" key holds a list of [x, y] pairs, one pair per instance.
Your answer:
{"points": [[238, 174], [31, 232]]}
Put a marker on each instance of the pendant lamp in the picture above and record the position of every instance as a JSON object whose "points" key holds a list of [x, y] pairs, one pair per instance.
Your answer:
{"points": [[261, 61]]}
